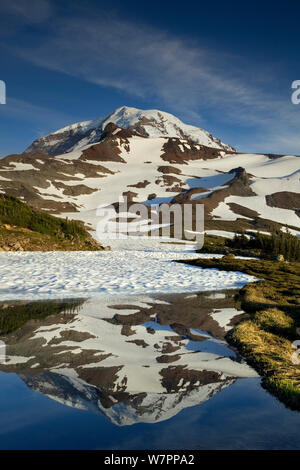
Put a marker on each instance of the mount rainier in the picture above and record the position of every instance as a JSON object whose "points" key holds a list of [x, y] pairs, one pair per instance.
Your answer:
{"points": [[152, 157]]}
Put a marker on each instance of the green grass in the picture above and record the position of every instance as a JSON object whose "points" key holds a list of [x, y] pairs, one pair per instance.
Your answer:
{"points": [[265, 337], [14, 316], [35, 230], [278, 243], [265, 341], [17, 213], [255, 244], [282, 280], [214, 244]]}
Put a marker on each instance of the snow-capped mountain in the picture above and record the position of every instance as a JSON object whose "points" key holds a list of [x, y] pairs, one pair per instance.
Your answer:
{"points": [[134, 360], [152, 157], [149, 123], [137, 408]]}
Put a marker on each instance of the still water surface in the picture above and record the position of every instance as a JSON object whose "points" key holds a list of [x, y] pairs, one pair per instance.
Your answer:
{"points": [[134, 373]]}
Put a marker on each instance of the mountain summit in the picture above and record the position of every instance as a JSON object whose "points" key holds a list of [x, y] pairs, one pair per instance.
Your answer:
{"points": [[151, 157], [146, 123]]}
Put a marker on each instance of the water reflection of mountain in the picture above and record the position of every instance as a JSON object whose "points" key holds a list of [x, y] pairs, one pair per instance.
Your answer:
{"points": [[138, 359]]}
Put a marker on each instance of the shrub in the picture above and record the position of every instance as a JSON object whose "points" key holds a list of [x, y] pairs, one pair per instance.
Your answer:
{"points": [[15, 212], [274, 245], [15, 316]]}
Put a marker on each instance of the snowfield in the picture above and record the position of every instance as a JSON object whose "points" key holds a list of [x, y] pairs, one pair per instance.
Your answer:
{"points": [[148, 268], [151, 157], [267, 176]]}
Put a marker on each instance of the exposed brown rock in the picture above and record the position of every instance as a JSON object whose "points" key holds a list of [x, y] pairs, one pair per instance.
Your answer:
{"points": [[127, 330], [106, 151], [167, 180], [176, 188], [241, 210], [75, 190], [238, 186], [130, 195], [172, 377], [168, 348], [138, 342], [168, 358], [102, 377], [167, 170], [173, 152], [141, 184], [284, 200], [186, 195], [71, 335]]}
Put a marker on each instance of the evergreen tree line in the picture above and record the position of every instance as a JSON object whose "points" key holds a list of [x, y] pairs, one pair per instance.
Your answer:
{"points": [[15, 316], [278, 243], [20, 214]]}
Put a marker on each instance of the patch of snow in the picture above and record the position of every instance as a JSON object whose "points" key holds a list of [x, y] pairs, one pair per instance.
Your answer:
{"points": [[224, 316], [19, 166], [37, 275], [220, 233], [223, 212], [17, 359], [258, 204], [165, 124]]}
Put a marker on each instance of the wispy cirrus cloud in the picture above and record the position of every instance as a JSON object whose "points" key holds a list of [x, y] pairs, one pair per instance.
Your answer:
{"points": [[30, 11], [168, 71], [16, 108], [39, 119], [142, 61]]}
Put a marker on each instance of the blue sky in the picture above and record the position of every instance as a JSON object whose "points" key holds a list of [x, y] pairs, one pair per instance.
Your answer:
{"points": [[224, 66]]}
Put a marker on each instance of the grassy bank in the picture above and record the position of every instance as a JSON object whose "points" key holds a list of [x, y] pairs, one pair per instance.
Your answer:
{"points": [[15, 315], [265, 337], [23, 228]]}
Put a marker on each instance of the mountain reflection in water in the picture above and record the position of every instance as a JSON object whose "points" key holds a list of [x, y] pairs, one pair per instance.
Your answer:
{"points": [[134, 359]]}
